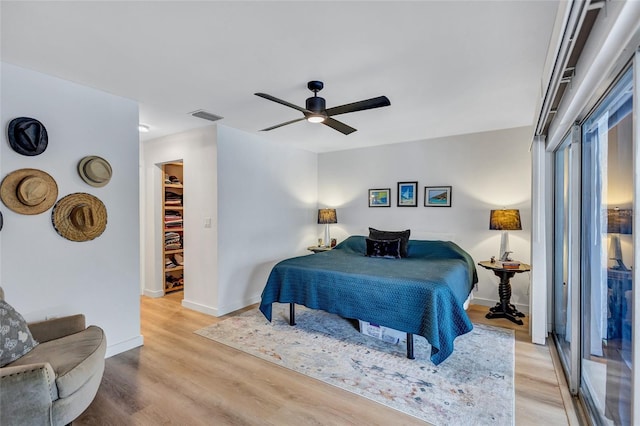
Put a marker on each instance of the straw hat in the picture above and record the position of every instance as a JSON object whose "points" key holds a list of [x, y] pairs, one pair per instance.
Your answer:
{"points": [[79, 217], [94, 170], [28, 191], [27, 136]]}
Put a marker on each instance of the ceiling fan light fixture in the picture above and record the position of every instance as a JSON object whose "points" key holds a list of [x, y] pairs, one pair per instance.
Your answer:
{"points": [[316, 118]]}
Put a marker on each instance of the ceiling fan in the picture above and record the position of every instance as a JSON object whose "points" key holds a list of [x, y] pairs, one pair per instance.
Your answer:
{"points": [[317, 112]]}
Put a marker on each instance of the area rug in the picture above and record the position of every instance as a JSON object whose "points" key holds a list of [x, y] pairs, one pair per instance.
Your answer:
{"points": [[474, 386]]}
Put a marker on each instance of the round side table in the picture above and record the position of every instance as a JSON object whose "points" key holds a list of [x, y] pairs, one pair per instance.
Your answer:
{"points": [[504, 308], [319, 249]]}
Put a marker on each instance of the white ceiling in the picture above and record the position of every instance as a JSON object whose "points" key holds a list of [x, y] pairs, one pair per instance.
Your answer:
{"points": [[448, 67]]}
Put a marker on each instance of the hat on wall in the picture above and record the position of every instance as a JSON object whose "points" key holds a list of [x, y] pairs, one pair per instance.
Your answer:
{"points": [[27, 136], [79, 217], [28, 191], [94, 170]]}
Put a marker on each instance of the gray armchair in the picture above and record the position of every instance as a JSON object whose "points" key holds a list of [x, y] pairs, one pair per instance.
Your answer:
{"points": [[58, 379]]}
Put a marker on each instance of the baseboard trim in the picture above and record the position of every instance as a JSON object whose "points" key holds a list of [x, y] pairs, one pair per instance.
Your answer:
{"points": [[153, 293], [200, 308], [129, 344], [218, 312], [238, 305]]}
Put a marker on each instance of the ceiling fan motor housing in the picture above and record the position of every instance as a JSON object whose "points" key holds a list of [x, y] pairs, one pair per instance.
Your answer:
{"points": [[316, 104]]}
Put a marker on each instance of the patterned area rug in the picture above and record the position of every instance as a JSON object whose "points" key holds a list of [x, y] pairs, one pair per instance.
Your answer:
{"points": [[474, 386]]}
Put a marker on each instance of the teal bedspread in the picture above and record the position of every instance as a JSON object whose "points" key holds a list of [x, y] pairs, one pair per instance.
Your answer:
{"points": [[421, 294]]}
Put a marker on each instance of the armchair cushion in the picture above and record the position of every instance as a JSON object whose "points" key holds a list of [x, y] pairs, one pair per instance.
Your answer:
{"points": [[55, 328], [15, 338], [74, 358]]}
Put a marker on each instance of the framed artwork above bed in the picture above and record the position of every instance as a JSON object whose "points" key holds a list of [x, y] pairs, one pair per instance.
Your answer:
{"points": [[407, 194], [437, 196], [380, 197]]}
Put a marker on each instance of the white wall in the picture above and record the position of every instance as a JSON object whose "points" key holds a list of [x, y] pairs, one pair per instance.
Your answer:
{"points": [[267, 212], [262, 202], [487, 171], [43, 274], [198, 151]]}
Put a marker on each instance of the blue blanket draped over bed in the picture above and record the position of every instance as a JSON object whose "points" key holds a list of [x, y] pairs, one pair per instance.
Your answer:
{"points": [[421, 294]]}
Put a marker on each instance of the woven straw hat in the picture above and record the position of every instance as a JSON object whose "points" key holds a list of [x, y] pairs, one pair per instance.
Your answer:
{"points": [[28, 191], [94, 170], [27, 136], [79, 217]]}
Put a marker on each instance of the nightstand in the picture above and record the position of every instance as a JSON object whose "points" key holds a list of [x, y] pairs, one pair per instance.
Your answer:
{"points": [[504, 308], [318, 249]]}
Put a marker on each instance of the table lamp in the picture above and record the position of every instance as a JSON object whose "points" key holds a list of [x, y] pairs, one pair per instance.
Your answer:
{"points": [[327, 216], [618, 222], [505, 220]]}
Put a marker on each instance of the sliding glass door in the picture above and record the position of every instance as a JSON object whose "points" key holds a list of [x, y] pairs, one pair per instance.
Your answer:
{"points": [[564, 288], [608, 256], [595, 197]]}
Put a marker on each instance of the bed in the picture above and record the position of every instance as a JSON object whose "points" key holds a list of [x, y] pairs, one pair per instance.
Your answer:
{"points": [[422, 293]]}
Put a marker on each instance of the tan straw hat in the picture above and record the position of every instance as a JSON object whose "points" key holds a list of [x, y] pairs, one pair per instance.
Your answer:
{"points": [[28, 191], [94, 170], [79, 217]]}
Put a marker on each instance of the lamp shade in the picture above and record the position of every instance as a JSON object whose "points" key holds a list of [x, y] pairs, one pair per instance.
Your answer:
{"points": [[327, 216], [619, 221], [505, 220]]}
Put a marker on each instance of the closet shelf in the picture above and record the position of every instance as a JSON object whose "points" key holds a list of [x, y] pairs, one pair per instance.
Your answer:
{"points": [[173, 251], [173, 213], [172, 289]]}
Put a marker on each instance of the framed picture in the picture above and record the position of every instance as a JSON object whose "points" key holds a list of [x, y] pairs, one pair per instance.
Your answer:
{"points": [[437, 196], [379, 197], [407, 194]]}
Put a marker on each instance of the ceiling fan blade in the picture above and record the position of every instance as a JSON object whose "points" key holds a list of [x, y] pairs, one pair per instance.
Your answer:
{"points": [[338, 125], [280, 101], [282, 124], [378, 102]]}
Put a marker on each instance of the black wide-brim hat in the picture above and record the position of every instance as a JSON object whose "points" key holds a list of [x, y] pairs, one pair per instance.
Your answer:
{"points": [[27, 136]]}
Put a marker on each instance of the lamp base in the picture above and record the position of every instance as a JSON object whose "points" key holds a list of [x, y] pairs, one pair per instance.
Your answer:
{"points": [[615, 253], [504, 247], [327, 237], [619, 266], [505, 256]]}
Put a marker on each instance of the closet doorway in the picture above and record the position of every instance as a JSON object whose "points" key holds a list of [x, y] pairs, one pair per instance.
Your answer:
{"points": [[173, 227]]}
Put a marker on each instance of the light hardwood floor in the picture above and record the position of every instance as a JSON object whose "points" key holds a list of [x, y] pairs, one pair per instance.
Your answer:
{"points": [[180, 378]]}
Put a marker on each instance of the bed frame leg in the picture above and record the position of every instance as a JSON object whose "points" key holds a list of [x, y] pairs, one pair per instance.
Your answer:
{"points": [[292, 314], [410, 346]]}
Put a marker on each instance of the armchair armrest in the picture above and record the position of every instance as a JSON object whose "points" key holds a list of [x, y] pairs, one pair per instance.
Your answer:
{"points": [[28, 392], [43, 331]]}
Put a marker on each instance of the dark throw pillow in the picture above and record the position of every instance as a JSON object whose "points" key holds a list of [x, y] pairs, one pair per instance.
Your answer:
{"points": [[376, 234], [15, 338], [389, 249]]}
